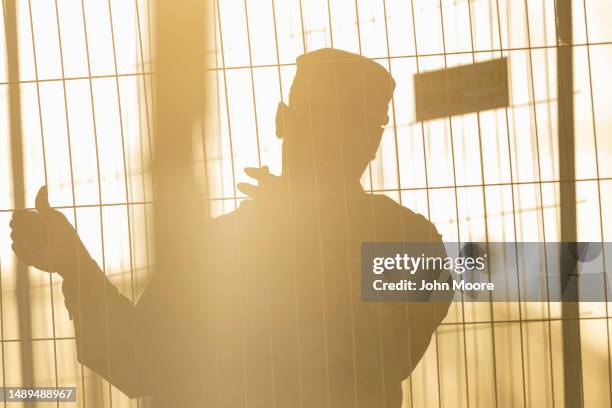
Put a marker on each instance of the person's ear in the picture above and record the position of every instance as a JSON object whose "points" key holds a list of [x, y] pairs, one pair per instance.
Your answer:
{"points": [[282, 111]]}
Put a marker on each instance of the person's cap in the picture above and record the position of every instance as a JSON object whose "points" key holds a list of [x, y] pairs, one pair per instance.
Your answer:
{"points": [[334, 79]]}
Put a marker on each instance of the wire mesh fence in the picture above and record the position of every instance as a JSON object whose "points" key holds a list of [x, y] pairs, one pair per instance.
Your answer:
{"points": [[86, 93]]}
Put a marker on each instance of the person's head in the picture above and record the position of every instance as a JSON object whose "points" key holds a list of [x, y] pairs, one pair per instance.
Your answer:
{"points": [[333, 123]]}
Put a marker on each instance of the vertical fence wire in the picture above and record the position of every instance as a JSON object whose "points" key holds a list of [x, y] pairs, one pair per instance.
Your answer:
{"points": [[99, 195], [427, 197], [126, 177], [319, 235], [485, 215], [235, 197], [17, 182], [293, 238], [143, 164], [511, 172], [456, 199], [44, 157]]}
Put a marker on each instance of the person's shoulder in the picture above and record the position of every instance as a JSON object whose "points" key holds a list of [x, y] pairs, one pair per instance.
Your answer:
{"points": [[245, 216], [416, 227], [227, 219]]}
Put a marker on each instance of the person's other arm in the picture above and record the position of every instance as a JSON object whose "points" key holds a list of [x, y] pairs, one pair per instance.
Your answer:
{"points": [[106, 323], [425, 315], [107, 329]]}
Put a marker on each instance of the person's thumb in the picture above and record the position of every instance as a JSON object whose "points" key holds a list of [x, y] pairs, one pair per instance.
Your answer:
{"points": [[42, 202]]}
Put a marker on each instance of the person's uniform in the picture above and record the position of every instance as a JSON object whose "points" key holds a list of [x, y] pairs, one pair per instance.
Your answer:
{"points": [[274, 319]]}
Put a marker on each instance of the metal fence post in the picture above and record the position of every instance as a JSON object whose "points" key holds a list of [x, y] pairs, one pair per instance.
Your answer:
{"points": [[572, 361], [23, 286]]}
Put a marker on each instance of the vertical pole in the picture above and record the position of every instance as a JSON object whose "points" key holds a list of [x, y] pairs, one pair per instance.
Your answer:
{"points": [[23, 287], [179, 85], [180, 35], [572, 362]]}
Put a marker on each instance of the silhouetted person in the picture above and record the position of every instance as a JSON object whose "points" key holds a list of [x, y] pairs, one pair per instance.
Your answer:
{"points": [[273, 316]]}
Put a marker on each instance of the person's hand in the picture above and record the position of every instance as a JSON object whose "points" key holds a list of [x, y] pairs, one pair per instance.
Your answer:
{"points": [[268, 185], [45, 239]]}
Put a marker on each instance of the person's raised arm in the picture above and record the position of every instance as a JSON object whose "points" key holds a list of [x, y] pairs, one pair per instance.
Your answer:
{"points": [[106, 323]]}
